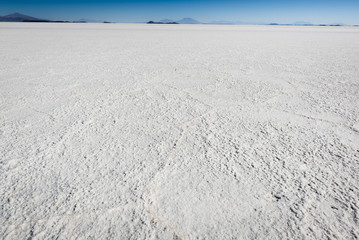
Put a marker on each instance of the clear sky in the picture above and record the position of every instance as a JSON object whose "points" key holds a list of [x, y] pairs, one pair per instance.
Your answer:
{"points": [[251, 11]]}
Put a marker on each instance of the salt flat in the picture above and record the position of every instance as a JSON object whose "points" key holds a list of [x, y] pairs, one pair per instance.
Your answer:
{"points": [[125, 131]]}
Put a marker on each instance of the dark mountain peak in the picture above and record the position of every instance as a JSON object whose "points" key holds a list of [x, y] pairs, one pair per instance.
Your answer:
{"points": [[18, 17], [16, 14]]}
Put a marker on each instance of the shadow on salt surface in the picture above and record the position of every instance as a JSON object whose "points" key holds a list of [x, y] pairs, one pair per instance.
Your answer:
{"points": [[356, 127]]}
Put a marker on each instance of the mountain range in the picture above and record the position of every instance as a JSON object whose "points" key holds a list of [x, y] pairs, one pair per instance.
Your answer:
{"points": [[18, 17]]}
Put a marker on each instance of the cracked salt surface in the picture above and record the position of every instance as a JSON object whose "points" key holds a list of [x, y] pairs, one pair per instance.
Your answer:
{"points": [[178, 132]]}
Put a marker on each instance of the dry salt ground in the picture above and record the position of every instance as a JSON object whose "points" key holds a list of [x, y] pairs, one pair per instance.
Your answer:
{"points": [[125, 131]]}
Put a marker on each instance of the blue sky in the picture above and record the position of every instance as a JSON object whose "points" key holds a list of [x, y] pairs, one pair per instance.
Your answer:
{"points": [[252, 11]]}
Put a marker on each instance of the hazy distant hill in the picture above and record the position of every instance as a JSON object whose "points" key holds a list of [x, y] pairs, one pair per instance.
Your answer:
{"points": [[182, 21], [188, 21], [18, 17], [300, 23]]}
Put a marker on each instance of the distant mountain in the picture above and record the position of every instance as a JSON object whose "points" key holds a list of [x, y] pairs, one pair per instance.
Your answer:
{"points": [[167, 20], [153, 22], [222, 22], [88, 20], [170, 21], [188, 21], [302, 23], [307, 24], [338, 24], [18, 17]]}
